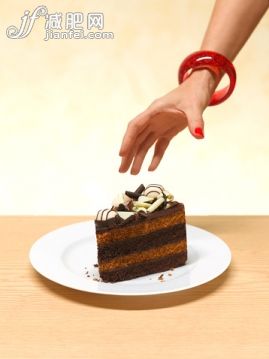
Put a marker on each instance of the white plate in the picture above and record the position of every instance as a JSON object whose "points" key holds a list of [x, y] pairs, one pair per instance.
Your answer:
{"points": [[66, 254]]}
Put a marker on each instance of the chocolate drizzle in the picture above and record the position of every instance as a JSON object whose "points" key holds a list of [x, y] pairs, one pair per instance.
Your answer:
{"points": [[104, 214]]}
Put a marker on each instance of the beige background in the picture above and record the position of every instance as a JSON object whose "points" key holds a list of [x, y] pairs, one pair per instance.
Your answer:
{"points": [[65, 105]]}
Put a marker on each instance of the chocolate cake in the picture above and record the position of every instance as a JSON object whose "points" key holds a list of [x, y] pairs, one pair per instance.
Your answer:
{"points": [[144, 232]]}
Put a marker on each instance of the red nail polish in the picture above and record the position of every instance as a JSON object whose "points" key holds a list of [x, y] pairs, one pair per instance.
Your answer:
{"points": [[199, 131]]}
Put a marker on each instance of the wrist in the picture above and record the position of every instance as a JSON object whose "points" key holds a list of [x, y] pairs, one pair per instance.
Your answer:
{"points": [[205, 78], [214, 62]]}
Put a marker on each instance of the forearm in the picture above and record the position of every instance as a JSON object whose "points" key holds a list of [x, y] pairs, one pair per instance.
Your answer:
{"points": [[231, 24]]}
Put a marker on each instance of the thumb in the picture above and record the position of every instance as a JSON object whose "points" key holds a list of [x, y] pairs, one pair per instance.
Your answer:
{"points": [[195, 124]]}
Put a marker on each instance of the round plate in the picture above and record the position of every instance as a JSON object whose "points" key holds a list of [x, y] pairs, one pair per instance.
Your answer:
{"points": [[67, 256]]}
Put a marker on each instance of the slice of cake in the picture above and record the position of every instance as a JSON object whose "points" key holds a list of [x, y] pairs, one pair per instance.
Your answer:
{"points": [[144, 232]]}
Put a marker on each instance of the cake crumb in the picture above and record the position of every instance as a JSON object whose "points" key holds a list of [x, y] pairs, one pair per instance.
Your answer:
{"points": [[161, 277], [170, 274], [96, 279], [95, 265]]}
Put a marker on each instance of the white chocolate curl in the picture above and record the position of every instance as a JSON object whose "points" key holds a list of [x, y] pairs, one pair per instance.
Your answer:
{"points": [[145, 199], [153, 191], [125, 215], [169, 196], [141, 204], [121, 198], [156, 204], [140, 209]]}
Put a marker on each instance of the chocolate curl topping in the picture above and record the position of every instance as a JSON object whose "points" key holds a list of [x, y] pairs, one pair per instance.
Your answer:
{"points": [[136, 193], [132, 195], [122, 208], [140, 189]]}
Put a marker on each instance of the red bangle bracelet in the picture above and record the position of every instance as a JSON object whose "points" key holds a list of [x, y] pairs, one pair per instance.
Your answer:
{"points": [[215, 63]]}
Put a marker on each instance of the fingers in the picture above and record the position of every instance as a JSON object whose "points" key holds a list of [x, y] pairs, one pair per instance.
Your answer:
{"points": [[141, 153], [126, 162], [195, 124], [143, 132], [165, 126], [160, 148], [135, 127], [128, 158]]}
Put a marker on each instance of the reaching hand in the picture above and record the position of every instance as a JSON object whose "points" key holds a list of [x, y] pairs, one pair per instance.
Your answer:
{"points": [[164, 119]]}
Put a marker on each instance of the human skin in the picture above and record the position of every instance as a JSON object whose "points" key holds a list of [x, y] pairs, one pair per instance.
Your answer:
{"points": [[184, 105]]}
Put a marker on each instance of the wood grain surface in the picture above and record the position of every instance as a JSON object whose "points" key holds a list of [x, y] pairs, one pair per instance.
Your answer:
{"points": [[225, 318]]}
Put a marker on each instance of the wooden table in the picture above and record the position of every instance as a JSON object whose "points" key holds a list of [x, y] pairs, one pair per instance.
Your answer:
{"points": [[225, 318]]}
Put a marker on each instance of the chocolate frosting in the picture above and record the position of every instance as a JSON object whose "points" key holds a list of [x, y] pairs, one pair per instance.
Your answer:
{"points": [[117, 221]]}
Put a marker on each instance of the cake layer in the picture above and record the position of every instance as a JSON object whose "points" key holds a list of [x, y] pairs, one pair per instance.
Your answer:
{"points": [[139, 229], [149, 267], [140, 257], [114, 248]]}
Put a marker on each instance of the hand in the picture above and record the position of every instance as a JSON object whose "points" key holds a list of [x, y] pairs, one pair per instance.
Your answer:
{"points": [[164, 119]]}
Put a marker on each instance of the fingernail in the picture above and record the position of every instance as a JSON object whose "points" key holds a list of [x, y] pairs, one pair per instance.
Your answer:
{"points": [[199, 131]]}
